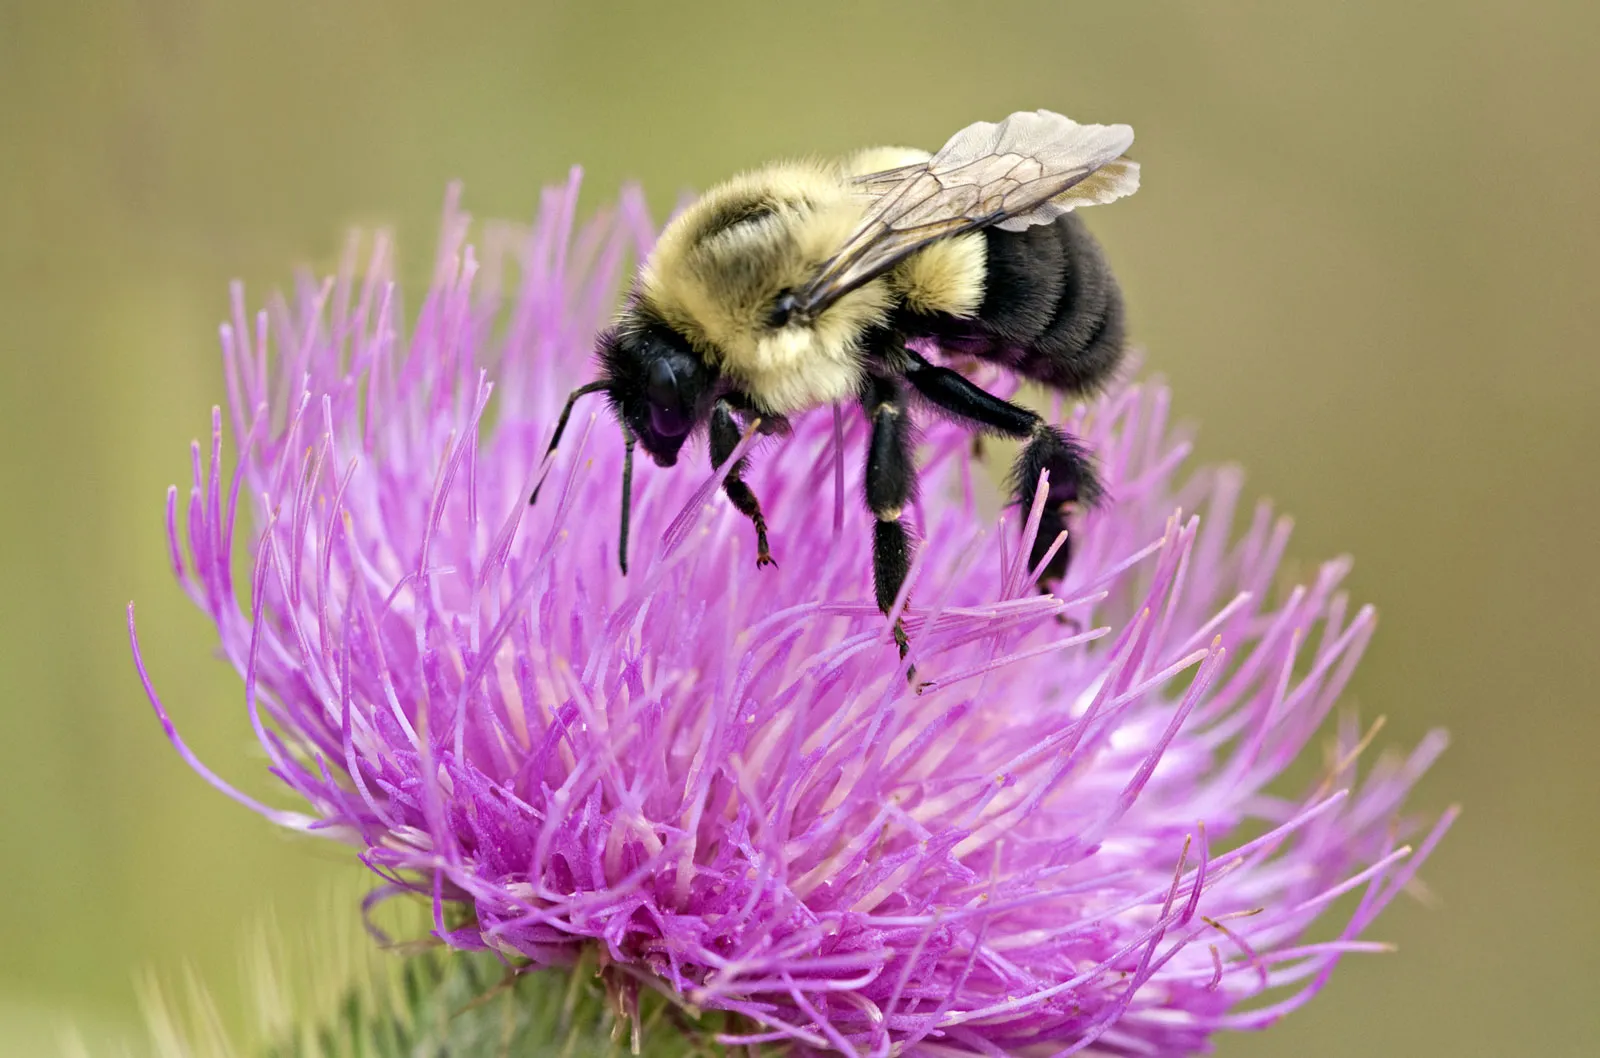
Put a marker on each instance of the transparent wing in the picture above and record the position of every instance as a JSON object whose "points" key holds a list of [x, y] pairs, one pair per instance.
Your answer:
{"points": [[1028, 169]]}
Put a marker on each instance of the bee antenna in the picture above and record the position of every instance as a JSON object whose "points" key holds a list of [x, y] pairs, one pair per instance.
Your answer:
{"points": [[627, 499], [561, 425]]}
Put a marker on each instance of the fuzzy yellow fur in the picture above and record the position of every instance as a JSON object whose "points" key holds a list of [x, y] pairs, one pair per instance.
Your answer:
{"points": [[716, 286], [946, 276], [719, 290]]}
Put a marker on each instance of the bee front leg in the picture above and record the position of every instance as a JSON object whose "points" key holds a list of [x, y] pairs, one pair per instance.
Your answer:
{"points": [[891, 482], [725, 434]]}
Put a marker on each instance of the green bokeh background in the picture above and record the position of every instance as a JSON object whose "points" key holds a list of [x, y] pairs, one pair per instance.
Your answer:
{"points": [[1365, 254]]}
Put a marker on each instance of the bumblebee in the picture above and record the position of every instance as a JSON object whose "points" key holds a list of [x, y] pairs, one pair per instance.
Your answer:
{"points": [[802, 284]]}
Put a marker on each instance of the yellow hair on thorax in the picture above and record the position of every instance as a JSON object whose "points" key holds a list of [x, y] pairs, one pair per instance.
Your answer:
{"points": [[719, 268]]}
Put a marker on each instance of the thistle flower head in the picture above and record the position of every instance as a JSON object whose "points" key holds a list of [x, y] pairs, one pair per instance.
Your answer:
{"points": [[718, 777]]}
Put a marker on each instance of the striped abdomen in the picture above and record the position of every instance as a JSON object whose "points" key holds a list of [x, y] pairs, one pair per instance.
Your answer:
{"points": [[1051, 309]]}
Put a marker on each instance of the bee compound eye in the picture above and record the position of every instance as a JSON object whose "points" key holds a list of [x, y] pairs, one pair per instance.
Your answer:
{"points": [[661, 386]]}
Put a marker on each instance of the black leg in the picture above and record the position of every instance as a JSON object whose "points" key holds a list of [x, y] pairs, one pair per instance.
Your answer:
{"points": [[1073, 484], [954, 393], [1072, 478], [891, 482], [561, 426], [725, 435]]}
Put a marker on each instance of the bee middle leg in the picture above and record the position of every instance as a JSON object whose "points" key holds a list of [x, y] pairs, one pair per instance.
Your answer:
{"points": [[725, 435], [1073, 482], [891, 482]]}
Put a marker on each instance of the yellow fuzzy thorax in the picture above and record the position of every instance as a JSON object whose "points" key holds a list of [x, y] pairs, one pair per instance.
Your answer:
{"points": [[720, 266]]}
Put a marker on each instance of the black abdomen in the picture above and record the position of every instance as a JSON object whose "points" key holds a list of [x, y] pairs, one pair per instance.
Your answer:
{"points": [[1051, 309]]}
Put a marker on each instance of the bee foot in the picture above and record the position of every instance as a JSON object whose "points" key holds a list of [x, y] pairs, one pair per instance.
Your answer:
{"points": [[904, 645]]}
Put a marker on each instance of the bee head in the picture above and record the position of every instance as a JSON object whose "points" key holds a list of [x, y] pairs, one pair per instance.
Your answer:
{"points": [[659, 388]]}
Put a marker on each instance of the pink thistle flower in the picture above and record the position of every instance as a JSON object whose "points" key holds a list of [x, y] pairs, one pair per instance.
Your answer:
{"points": [[718, 776]]}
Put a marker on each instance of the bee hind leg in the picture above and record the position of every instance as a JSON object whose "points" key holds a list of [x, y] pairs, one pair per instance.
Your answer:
{"points": [[1073, 483], [725, 435]]}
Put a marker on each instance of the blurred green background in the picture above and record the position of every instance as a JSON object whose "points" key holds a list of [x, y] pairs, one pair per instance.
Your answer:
{"points": [[1365, 254]]}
